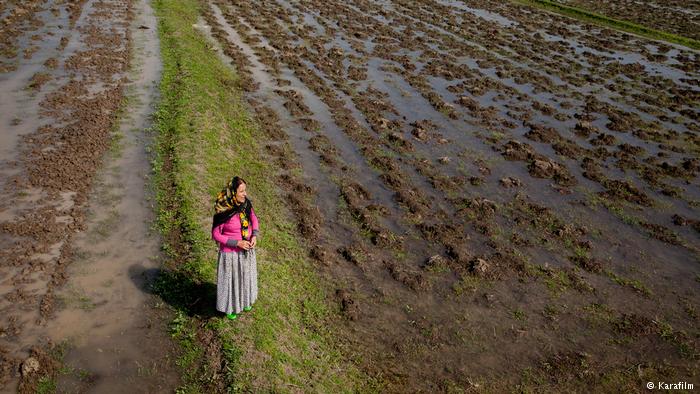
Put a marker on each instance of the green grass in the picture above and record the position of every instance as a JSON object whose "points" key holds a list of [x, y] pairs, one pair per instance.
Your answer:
{"points": [[469, 284], [76, 298], [632, 283], [46, 385], [615, 208], [203, 137], [602, 20], [600, 315], [551, 312], [519, 314], [556, 280]]}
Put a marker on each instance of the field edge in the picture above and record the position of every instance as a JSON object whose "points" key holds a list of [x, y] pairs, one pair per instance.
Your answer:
{"points": [[289, 339], [602, 20]]}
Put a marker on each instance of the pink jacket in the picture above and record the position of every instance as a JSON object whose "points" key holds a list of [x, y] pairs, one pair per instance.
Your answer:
{"points": [[231, 230]]}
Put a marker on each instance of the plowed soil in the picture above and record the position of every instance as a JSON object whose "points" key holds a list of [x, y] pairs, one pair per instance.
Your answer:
{"points": [[501, 195]]}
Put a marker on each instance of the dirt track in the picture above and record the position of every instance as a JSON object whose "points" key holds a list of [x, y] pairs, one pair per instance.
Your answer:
{"points": [[76, 251], [497, 190]]}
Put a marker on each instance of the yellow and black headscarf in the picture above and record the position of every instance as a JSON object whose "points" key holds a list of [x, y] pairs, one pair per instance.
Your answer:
{"points": [[226, 206]]}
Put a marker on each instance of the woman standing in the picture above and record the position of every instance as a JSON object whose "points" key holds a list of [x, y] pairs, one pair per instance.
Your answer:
{"points": [[235, 228]]}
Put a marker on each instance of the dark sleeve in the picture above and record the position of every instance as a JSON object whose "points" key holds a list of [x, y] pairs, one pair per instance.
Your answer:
{"points": [[254, 223]]}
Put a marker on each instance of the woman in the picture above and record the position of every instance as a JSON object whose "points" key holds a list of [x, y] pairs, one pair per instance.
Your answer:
{"points": [[235, 228]]}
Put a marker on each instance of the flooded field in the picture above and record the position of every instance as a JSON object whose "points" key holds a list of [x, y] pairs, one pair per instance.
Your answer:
{"points": [[500, 195]]}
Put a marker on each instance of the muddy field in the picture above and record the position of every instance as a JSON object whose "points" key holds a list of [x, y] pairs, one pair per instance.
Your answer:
{"points": [[72, 197], [500, 195]]}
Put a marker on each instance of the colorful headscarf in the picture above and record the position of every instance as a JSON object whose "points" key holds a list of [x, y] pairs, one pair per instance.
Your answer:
{"points": [[226, 199]]}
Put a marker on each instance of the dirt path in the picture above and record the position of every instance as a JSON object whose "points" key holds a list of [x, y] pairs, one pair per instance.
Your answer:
{"points": [[88, 293]]}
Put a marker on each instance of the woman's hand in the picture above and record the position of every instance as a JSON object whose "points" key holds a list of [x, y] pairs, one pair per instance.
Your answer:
{"points": [[253, 241], [244, 245]]}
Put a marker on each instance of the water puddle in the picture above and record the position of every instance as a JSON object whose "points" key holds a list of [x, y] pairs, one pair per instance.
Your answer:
{"points": [[103, 312]]}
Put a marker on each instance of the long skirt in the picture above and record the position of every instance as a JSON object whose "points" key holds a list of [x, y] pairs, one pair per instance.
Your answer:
{"points": [[237, 281]]}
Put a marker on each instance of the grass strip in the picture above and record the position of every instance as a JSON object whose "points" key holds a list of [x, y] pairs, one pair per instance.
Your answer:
{"points": [[204, 135], [603, 20]]}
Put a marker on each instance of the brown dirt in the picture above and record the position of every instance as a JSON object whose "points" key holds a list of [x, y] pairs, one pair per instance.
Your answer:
{"points": [[412, 120], [67, 126]]}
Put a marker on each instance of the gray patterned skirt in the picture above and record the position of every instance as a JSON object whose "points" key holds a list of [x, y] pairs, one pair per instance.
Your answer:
{"points": [[237, 281]]}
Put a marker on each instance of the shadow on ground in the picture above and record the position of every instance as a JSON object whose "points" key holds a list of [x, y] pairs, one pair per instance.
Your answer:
{"points": [[178, 289]]}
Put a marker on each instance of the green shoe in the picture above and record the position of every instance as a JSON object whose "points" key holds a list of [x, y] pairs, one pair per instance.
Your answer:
{"points": [[248, 308], [232, 316]]}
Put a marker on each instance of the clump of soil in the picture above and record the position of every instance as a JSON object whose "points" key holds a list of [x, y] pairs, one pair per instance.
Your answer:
{"points": [[38, 80], [539, 166], [51, 63], [310, 217], [585, 129], [422, 129], [322, 145], [564, 367], [309, 124], [357, 73], [295, 103], [509, 182], [587, 263], [436, 263], [679, 220], [541, 133], [348, 304], [623, 190], [603, 139], [41, 364], [268, 121], [357, 255], [413, 279], [662, 233], [634, 325], [549, 169]]}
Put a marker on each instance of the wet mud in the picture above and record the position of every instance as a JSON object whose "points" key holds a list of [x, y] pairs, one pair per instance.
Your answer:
{"points": [[77, 253], [489, 187]]}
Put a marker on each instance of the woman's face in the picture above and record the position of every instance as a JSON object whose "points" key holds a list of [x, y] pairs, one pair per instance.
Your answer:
{"points": [[241, 193]]}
